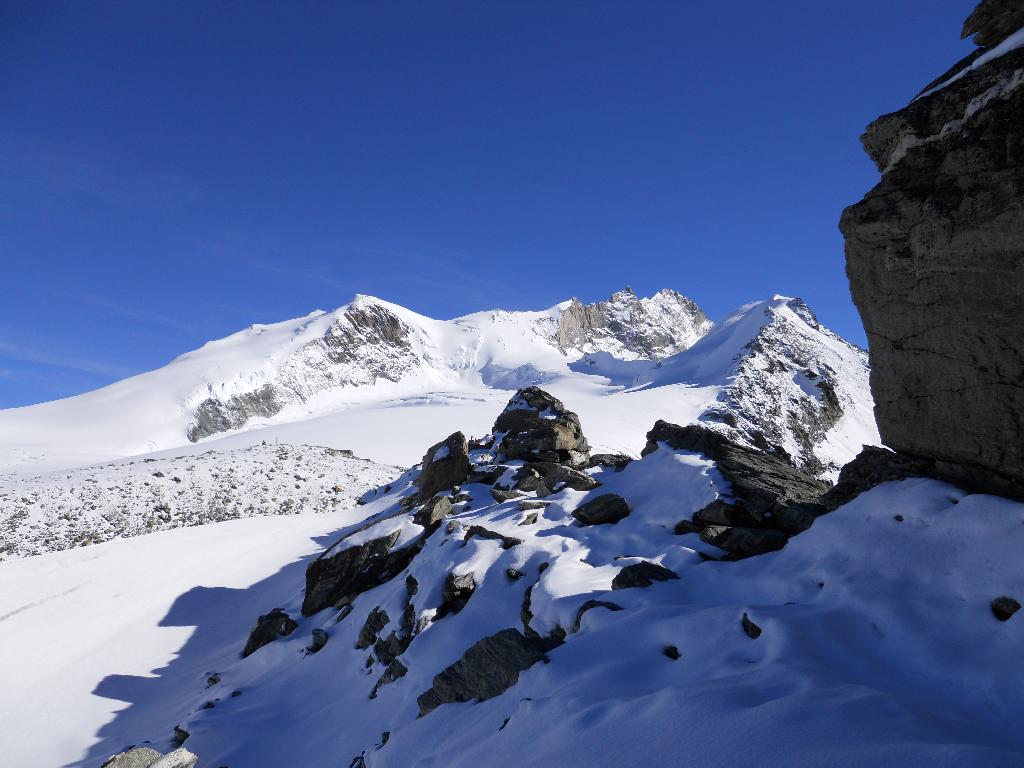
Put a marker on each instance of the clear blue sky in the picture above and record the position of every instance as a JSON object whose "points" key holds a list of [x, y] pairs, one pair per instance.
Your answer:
{"points": [[171, 172]]}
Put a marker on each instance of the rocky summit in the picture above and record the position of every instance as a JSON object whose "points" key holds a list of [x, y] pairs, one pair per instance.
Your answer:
{"points": [[935, 258]]}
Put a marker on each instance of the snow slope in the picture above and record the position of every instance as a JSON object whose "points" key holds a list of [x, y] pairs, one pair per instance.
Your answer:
{"points": [[76, 507], [878, 646]]}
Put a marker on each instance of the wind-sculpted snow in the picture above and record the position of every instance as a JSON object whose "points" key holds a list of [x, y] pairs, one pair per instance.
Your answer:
{"points": [[84, 506], [847, 648]]}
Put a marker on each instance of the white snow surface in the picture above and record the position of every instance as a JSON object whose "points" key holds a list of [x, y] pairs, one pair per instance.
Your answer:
{"points": [[878, 647]]}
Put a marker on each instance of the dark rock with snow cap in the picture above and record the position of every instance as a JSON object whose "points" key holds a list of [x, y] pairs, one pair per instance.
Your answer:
{"points": [[616, 461], [433, 511], [458, 588], [935, 259], [487, 669], [535, 426], [602, 510], [342, 573], [766, 488], [269, 627], [642, 574], [744, 542], [556, 477], [445, 464], [376, 620]]}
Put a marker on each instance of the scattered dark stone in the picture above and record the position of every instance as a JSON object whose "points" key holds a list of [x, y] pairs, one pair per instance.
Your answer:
{"points": [[507, 542], [616, 461], [528, 504], [898, 518], [389, 648], [500, 495], [555, 477], [444, 465], [529, 519], [487, 475], [642, 574], [685, 526], [750, 628], [514, 574], [236, 693], [1004, 607], [721, 512], [209, 704], [269, 627], [180, 735], [602, 510], [578, 622], [319, 640], [672, 652], [744, 542], [394, 671], [433, 511], [213, 679], [487, 669], [538, 427], [384, 737], [458, 588]]}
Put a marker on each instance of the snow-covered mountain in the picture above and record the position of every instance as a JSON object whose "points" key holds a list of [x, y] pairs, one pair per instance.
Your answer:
{"points": [[351, 378]]}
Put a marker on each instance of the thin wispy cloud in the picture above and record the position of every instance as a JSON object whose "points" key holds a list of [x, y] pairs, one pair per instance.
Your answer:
{"points": [[28, 355], [137, 315]]}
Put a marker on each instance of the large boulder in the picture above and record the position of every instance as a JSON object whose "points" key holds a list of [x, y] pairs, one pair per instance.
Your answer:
{"points": [[536, 426], [935, 259], [445, 464], [269, 627], [602, 510], [338, 577], [488, 668]]}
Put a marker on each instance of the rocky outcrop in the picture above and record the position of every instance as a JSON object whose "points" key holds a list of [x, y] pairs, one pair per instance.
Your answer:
{"points": [[336, 578], [771, 499], [935, 258], [269, 627], [536, 426], [632, 328], [445, 464], [488, 668]]}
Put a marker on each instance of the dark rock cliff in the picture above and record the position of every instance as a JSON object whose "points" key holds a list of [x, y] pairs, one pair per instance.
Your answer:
{"points": [[935, 258]]}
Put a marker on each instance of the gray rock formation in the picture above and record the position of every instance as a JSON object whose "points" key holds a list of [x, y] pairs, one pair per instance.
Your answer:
{"points": [[536, 426], [445, 464], [630, 327], [269, 627], [642, 574], [602, 510], [935, 258], [488, 668]]}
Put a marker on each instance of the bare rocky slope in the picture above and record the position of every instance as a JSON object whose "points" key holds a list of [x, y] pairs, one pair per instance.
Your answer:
{"points": [[935, 257]]}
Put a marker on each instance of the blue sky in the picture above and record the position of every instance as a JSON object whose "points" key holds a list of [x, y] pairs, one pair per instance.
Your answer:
{"points": [[172, 172]]}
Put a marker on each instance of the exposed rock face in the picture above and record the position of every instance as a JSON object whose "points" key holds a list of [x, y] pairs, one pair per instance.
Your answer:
{"points": [[144, 757], [269, 627], [337, 577], [602, 510], [633, 328], [935, 257], [366, 343], [444, 465], [536, 426], [641, 574], [489, 667]]}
